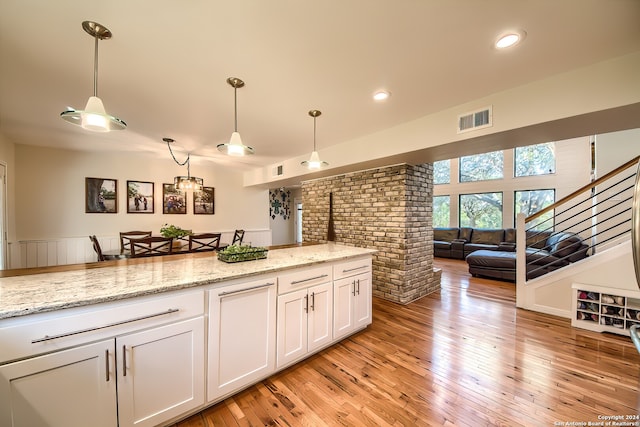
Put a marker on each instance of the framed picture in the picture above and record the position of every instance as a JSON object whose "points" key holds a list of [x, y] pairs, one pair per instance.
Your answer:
{"points": [[173, 201], [204, 202], [101, 195], [139, 197]]}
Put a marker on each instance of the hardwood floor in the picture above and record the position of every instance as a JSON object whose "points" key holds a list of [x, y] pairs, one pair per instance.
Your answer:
{"points": [[464, 356]]}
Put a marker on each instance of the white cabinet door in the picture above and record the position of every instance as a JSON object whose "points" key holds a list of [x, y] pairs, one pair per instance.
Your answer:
{"points": [[304, 322], [320, 316], [362, 301], [343, 297], [242, 335], [352, 304], [68, 388], [160, 372]]}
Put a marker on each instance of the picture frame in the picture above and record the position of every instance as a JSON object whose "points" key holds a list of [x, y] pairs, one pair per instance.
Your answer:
{"points": [[204, 201], [101, 195], [140, 197], [173, 201]]}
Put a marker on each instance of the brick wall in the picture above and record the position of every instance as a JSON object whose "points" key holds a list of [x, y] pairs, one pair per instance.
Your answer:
{"points": [[388, 209]]}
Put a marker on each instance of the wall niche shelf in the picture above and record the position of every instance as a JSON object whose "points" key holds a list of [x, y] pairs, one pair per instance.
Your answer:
{"points": [[602, 309]]}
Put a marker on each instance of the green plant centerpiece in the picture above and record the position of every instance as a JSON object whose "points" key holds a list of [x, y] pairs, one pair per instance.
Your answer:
{"points": [[170, 230], [238, 253]]}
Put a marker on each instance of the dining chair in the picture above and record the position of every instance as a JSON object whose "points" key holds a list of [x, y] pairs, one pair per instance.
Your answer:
{"points": [[151, 246], [125, 236], [237, 237], [204, 242], [97, 248]]}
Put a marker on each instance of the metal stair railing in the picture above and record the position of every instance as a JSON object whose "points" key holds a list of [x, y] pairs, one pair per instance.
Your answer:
{"points": [[600, 212]]}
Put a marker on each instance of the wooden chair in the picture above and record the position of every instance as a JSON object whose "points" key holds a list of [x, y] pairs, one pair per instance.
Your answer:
{"points": [[238, 235], [97, 248], [204, 242], [151, 246], [125, 236]]}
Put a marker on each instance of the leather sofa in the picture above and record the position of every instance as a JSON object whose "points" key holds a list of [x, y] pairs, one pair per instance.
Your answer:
{"points": [[491, 253], [545, 252], [458, 242]]}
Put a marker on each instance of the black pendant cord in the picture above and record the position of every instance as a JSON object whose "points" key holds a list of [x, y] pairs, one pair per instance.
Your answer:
{"points": [[186, 162]]}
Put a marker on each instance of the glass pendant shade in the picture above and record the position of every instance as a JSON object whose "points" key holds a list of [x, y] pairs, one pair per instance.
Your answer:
{"points": [[235, 147], [94, 117]]}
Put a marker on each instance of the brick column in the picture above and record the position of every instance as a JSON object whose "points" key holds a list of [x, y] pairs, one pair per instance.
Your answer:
{"points": [[388, 209]]}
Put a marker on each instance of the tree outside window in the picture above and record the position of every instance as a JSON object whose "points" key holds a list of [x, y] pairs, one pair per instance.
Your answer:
{"points": [[532, 160], [481, 210], [442, 172], [531, 201], [441, 211], [482, 167]]}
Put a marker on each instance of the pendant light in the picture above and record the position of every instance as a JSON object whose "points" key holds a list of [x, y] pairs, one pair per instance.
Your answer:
{"points": [[94, 116], [184, 183], [235, 147], [314, 161]]}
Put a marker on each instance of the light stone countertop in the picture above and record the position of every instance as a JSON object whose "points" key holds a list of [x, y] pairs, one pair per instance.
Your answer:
{"points": [[36, 293]]}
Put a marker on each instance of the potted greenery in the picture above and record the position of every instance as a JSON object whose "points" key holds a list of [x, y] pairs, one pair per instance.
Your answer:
{"points": [[170, 230]]}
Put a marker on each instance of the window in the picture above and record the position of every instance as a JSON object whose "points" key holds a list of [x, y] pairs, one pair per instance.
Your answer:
{"points": [[441, 210], [481, 210], [539, 159], [482, 167], [442, 172], [531, 201]]}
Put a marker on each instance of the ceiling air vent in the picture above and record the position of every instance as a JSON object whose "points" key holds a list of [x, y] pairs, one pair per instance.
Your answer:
{"points": [[475, 120], [277, 171]]}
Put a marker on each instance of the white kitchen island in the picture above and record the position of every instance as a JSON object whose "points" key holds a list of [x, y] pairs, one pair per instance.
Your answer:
{"points": [[145, 343]]}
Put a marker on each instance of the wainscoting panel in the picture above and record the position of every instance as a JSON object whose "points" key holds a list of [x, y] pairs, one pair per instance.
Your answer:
{"points": [[75, 250]]}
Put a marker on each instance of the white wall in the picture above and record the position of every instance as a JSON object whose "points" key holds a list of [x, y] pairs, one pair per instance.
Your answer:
{"points": [[7, 155]]}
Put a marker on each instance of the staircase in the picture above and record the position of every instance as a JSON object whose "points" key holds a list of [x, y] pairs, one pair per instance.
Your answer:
{"points": [[601, 212]]}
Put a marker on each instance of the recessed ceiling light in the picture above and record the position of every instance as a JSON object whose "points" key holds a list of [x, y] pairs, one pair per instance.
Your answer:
{"points": [[381, 95], [510, 39]]}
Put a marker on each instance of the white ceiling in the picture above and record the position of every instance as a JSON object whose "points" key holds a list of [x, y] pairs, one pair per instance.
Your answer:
{"points": [[164, 71]]}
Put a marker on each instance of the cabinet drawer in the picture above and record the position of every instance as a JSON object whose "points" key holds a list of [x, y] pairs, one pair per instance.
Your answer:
{"points": [[351, 268], [42, 333], [303, 278]]}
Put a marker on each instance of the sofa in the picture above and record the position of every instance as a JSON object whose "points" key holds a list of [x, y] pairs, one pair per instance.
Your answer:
{"points": [[492, 254], [458, 242]]}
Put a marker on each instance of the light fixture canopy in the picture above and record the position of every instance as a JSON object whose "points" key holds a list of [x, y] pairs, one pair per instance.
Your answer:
{"points": [[235, 147], [314, 162], [94, 117], [381, 95], [184, 183]]}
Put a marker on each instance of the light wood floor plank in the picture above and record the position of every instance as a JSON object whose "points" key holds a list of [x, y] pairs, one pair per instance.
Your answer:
{"points": [[464, 356]]}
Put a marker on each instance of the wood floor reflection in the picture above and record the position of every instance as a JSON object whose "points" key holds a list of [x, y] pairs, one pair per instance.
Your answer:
{"points": [[464, 356]]}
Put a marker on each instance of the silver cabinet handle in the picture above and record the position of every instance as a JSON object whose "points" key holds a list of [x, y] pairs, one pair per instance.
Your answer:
{"points": [[354, 288], [106, 363], [295, 282], [313, 301], [124, 360], [306, 303], [225, 294], [97, 328], [353, 269], [358, 286]]}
